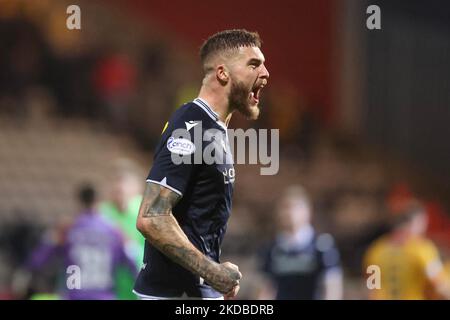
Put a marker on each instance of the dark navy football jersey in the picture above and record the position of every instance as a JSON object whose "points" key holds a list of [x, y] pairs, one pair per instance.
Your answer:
{"points": [[297, 270], [193, 159]]}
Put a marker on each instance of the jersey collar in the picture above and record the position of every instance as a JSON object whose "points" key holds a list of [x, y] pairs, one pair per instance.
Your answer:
{"points": [[207, 108]]}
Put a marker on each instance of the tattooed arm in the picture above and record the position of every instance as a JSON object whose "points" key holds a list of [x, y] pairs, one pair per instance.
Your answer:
{"points": [[161, 229]]}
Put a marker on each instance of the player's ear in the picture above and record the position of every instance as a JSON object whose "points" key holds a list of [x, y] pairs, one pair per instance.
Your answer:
{"points": [[222, 74]]}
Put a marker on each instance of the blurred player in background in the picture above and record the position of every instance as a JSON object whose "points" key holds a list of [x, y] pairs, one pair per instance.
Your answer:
{"points": [[410, 264], [121, 210], [91, 244], [300, 263], [186, 207]]}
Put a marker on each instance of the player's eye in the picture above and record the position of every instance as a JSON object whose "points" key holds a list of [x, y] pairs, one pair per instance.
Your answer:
{"points": [[254, 63]]}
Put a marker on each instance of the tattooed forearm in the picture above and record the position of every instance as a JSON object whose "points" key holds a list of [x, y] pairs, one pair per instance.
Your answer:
{"points": [[161, 229], [221, 278]]}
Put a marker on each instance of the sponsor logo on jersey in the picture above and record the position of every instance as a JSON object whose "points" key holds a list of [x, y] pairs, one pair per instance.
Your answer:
{"points": [[180, 146]]}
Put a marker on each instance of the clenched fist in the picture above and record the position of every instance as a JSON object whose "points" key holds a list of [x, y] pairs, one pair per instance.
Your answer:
{"points": [[226, 279]]}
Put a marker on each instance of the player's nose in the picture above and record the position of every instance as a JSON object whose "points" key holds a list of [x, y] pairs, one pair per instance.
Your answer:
{"points": [[264, 73]]}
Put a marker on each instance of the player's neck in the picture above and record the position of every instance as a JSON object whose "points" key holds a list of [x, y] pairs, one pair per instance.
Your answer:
{"points": [[217, 102]]}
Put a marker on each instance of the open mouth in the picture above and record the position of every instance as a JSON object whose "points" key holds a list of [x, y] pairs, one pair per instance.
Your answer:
{"points": [[256, 93]]}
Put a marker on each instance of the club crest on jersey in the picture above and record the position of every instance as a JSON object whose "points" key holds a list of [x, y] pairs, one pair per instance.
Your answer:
{"points": [[180, 146]]}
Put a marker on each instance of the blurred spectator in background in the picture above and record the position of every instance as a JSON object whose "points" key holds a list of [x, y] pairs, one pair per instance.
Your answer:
{"points": [[18, 237], [114, 80], [20, 69], [301, 263], [121, 210], [409, 263], [91, 244]]}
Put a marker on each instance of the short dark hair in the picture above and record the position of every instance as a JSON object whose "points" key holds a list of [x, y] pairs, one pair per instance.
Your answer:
{"points": [[229, 40], [87, 195]]}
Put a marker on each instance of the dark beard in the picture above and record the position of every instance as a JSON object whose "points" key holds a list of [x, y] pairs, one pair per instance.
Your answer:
{"points": [[239, 100]]}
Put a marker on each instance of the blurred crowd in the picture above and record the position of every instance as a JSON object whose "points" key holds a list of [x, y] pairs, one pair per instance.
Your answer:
{"points": [[311, 232]]}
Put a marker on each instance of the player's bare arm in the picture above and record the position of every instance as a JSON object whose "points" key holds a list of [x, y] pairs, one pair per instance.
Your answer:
{"points": [[161, 229]]}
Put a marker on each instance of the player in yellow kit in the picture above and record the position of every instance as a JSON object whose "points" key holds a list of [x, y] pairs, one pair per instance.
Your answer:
{"points": [[409, 263]]}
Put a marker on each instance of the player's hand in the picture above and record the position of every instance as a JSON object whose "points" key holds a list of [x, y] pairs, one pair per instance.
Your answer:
{"points": [[233, 293], [227, 279]]}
